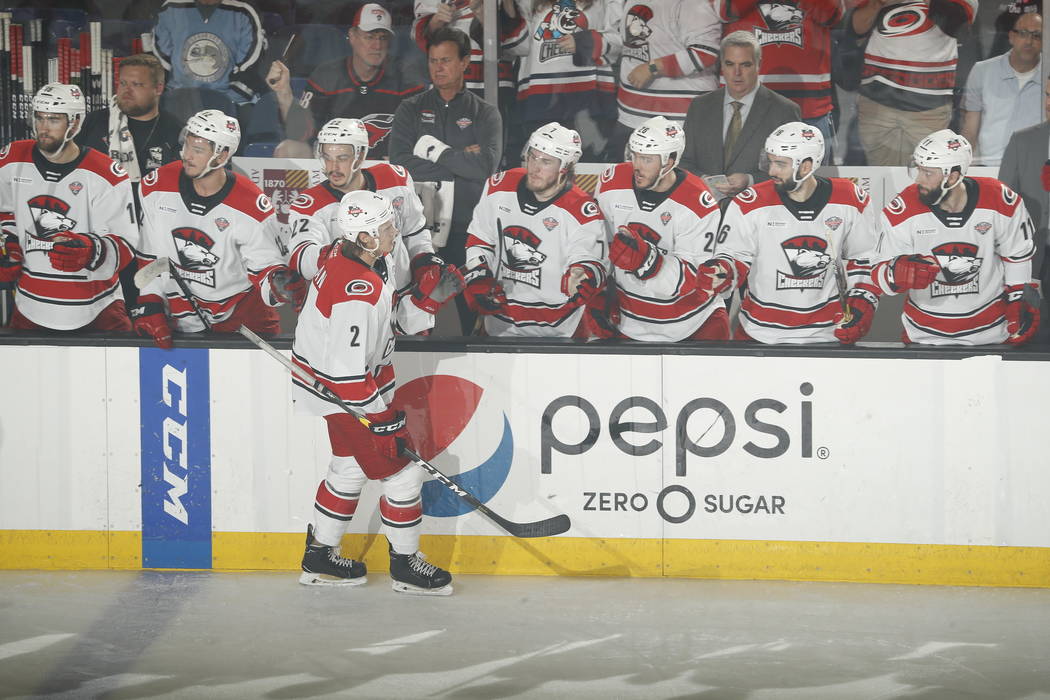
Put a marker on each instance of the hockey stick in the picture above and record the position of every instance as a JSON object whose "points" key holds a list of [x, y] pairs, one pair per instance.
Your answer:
{"points": [[149, 272], [479, 322], [840, 280], [541, 528]]}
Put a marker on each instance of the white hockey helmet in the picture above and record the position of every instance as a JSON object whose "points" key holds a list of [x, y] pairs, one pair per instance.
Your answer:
{"points": [[559, 142], [59, 98], [798, 141], [363, 211], [946, 151], [349, 132], [658, 136], [216, 126]]}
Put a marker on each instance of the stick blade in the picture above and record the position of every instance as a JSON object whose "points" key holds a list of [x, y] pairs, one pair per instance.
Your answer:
{"points": [[541, 528], [150, 272]]}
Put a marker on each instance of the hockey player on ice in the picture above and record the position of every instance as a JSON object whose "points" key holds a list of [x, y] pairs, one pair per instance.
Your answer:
{"points": [[802, 244], [535, 245], [961, 249], [422, 280], [220, 233], [661, 223], [344, 340], [67, 224]]}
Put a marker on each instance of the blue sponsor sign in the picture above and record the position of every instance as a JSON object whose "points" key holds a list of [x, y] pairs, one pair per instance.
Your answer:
{"points": [[174, 394]]}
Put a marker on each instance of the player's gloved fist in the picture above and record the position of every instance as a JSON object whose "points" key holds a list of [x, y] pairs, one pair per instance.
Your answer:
{"points": [[605, 317], [580, 283], [73, 252], [11, 263], [1022, 312], [1044, 176], [436, 282], [483, 293], [149, 321], [714, 277], [389, 432], [854, 325], [913, 272], [630, 251], [287, 287], [429, 147]]}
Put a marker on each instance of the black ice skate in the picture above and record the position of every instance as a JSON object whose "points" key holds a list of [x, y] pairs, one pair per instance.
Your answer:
{"points": [[322, 565], [412, 574]]}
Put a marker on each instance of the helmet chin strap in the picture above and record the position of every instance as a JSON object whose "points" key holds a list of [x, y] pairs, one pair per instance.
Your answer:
{"points": [[213, 164], [66, 138], [946, 190], [797, 181]]}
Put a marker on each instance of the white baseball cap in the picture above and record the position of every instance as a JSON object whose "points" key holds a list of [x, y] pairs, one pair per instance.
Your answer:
{"points": [[371, 17]]}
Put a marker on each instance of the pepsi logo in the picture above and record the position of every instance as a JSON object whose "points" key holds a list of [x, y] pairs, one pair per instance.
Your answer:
{"points": [[439, 409]]}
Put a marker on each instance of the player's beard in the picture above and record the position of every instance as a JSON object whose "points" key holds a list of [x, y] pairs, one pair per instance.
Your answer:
{"points": [[48, 144], [929, 197], [785, 186], [641, 183]]}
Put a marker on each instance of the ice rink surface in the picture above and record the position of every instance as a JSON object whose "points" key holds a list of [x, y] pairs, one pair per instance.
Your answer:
{"points": [[261, 635]]}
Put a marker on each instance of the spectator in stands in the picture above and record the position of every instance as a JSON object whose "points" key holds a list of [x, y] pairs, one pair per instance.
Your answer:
{"points": [[796, 51], [670, 52], [212, 44], [995, 19], [136, 133], [567, 51], [725, 130], [448, 134], [366, 85], [1002, 93], [909, 72]]}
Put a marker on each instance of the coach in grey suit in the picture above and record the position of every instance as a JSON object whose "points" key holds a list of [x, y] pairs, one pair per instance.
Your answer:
{"points": [[709, 122], [1021, 169]]}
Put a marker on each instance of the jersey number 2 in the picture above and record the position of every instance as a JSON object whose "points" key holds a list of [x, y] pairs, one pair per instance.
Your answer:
{"points": [[712, 240]]}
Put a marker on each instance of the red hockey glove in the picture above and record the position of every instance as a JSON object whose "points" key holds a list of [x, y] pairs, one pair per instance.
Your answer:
{"points": [[435, 281], [580, 284], [714, 277], [604, 312], [861, 304], [389, 432], [1044, 176], [483, 293], [288, 287], [632, 252], [11, 263], [149, 321], [1022, 312], [73, 252], [913, 272]]}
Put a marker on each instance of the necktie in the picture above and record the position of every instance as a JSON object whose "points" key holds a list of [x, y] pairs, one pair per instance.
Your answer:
{"points": [[733, 133]]}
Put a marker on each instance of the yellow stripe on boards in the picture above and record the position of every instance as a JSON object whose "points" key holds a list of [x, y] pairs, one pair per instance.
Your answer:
{"points": [[954, 565]]}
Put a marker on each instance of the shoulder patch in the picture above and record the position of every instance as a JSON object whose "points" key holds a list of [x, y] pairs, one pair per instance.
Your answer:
{"points": [[303, 201], [399, 170], [590, 209], [896, 205], [264, 203], [497, 177], [117, 169], [607, 174], [747, 196], [707, 200], [359, 288], [5, 151], [1009, 196], [862, 194], [150, 179]]}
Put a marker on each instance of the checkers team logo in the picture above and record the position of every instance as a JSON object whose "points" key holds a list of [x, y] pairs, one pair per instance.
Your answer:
{"points": [[439, 409]]}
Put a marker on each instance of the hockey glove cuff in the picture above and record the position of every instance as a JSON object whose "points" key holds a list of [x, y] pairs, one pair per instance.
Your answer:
{"points": [[287, 287], [856, 322], [912, 272], [389, 432], [149, 321], [11, 263], [1022, 312], [73, 252], [630, 251]]}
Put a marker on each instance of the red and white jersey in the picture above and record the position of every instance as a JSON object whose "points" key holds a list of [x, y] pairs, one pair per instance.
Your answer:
{"points": [[981, 249], [344, 338], [40, 200], [683, 35], [682, 223], [223, 246], [796, 46], [539, 241], [545, 69], [463, 17], [908, 52], [787, 253], [313, 223]]}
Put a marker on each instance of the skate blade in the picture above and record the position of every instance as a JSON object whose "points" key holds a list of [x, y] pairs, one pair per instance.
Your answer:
{"points": [[408, 589], [309, 579]]}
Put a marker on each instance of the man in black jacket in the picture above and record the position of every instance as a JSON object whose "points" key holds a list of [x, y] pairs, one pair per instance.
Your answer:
{"points": [[448, 134]]}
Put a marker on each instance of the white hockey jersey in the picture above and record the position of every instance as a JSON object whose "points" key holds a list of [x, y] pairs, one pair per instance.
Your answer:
{"points": [[39, 200], [682, 223], [552, 84], [344, 338], [787, 253], [981, 249], [313, 223], [223, 246], [683, 35], [909, 62], [539, 241]]}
